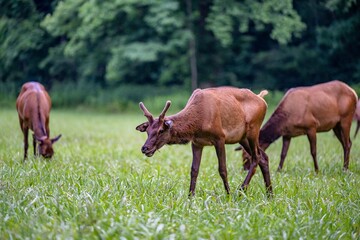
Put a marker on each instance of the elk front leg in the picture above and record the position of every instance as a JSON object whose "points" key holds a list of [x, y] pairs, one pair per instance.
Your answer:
{"points": [[197, 152], [34, 144], [264, 166], [357, 128], [250, 148], [284, 151], [221, 155]]}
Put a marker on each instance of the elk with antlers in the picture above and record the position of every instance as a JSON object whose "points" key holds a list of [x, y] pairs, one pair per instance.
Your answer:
{"points": [[214, 116], [33, 106]]}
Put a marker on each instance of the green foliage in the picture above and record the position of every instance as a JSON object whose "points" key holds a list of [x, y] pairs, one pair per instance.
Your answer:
{"points": [[17, 9], [107, 29], [340, 5], [99, 185], [21, 41], [272, 44], [281, 15], [8, 94]]}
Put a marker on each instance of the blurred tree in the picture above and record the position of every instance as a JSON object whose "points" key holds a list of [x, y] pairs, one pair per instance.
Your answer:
{"points": [[329, 48], [151, 42], [339, 41], [22, 42], [272, 44], [234, 32], [226, 15], [122, 41]]}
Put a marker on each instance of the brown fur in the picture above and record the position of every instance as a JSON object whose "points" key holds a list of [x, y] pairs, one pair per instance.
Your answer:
{"points": [[33, 106], [308, 110], [214, 116]]}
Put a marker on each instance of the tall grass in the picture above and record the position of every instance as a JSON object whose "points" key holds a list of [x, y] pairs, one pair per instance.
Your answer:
{"points": [[99, 185]]}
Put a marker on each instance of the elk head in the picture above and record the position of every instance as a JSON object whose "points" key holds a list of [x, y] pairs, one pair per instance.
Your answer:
{"points": [[45, 146], [158, 130]]}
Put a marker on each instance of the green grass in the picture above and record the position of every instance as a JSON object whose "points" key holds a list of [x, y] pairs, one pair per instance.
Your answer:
{"points": [[99, 185]]}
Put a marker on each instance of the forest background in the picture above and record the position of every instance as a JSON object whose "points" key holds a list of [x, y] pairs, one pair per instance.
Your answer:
{"points": [[110, 55]]}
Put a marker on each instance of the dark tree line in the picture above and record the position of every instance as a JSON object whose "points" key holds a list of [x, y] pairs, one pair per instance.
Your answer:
{"points": [[272, 44]]}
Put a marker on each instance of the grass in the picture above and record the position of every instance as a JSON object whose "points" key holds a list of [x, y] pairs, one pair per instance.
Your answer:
{"points": [[99, 185]]}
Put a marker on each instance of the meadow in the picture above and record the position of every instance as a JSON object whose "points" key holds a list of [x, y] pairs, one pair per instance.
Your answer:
{"points": [[99, 186]]}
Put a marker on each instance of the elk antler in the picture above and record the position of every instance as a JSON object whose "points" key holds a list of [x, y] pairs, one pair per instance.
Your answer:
{"points": [[147, 114], [167, 105]]}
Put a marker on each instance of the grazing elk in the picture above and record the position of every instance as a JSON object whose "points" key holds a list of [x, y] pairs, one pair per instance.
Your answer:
{"points": [[357, 118], [213, 116], [306, 111], [33, 106]]}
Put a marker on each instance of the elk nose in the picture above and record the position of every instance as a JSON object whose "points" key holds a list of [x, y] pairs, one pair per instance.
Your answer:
{"points": [[144, 149]]}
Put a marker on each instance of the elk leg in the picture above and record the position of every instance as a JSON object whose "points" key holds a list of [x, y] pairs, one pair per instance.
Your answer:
{"points": [[357, 128], [245, 155], [26, 144], [345, 141], [264, 166], [250, 148], [312, 140], [34, 144], [221, 155], [284, 151], [47, 128], [197, 152]]}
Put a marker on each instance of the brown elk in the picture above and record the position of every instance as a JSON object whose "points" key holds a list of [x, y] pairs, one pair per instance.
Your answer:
{"points": [[357, 118], [306, 111], [33, 106], [212, 117]]}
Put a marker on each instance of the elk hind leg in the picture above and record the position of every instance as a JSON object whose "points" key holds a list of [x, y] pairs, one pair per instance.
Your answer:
{"points": [[221, 155], [343, 135], [312, 140]]}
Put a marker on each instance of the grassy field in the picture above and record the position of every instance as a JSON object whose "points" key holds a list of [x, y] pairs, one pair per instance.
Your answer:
{"points": [[99, 185]]}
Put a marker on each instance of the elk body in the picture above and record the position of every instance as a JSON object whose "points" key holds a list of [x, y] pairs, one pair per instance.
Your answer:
{"points": [[308, 110], [214, 116], [357, 118], [33, 106]]}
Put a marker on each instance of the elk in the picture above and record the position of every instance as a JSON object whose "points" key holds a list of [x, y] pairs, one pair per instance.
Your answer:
{"points": [[33, 106], [307, 111], [212, 117], [357, 118]]}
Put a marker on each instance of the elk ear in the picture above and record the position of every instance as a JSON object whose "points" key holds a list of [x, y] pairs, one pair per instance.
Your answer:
{"points": [[55, 139], [169, 123], [142, 127]]}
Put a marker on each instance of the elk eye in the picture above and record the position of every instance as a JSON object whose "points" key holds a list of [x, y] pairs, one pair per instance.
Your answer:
{"points": [[161, 131]]}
